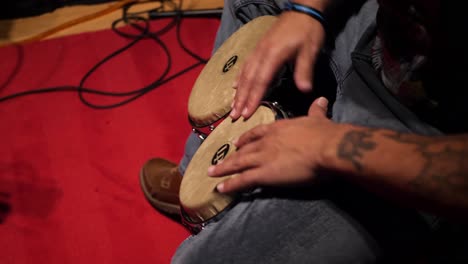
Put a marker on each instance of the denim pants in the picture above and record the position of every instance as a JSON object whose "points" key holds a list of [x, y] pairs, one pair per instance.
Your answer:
{"points": [[339, 223]]}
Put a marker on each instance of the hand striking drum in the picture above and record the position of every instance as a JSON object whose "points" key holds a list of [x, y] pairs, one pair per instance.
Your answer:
{"points": [[212, 94]]}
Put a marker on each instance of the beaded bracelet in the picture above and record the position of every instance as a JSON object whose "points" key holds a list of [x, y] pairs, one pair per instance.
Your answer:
{"points": [[310, 11]]}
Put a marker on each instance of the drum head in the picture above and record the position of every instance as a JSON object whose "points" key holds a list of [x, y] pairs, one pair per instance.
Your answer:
{"points": [[212, 93], [198, 195]]}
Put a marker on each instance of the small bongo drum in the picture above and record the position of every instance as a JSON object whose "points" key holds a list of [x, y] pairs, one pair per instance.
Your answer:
{"points": [[212, 94], [200, 201]]}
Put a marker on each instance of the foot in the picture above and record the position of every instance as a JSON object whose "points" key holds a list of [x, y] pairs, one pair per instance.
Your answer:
{"points": [[160, 181]]}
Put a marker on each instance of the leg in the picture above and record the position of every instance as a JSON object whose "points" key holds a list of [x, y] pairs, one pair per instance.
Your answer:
{"points": [[191, 145], [266, 229]]}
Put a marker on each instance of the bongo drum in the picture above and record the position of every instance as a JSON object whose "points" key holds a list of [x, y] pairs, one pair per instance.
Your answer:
{"points": [[199, 199], [212, 94]]}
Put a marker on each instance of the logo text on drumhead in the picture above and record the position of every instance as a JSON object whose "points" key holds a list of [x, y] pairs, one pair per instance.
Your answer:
{"points": [[220, 154], [231, 62]]}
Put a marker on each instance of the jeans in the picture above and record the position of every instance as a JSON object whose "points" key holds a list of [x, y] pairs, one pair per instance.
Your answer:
{"points": [[340, 223]]}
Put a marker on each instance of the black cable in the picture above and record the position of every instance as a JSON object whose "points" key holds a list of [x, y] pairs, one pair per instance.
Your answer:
{"points": [[215, 13], [134, 20], [179, 39], [16, 68], [134, 93], [179, 17]]}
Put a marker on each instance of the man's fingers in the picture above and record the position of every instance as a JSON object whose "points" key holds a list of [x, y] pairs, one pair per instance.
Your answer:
{"points": [[248, 90], [242, 90], [240, 182], [252, 102], [265, 69], [252, 135], [255, 77], [234, 164], [319, 107], [304, 69]]}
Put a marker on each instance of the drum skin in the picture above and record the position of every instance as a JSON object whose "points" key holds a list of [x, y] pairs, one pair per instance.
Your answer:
{"points": [[212, 93], [198, 196]]}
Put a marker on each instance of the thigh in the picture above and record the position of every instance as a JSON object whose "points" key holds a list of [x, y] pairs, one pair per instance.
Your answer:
{"points": [[263, 228]]}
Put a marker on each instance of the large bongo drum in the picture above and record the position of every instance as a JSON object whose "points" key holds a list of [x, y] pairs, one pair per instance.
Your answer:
{"points": [[212, 94], [199, 199]]}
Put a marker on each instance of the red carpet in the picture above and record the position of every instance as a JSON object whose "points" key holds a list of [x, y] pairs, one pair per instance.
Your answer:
{"points": [[69, 189]]}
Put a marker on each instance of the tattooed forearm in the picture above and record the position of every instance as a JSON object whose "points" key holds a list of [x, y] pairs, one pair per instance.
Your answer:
{"points": [[354, 144], [431, 168], [445, 164]]}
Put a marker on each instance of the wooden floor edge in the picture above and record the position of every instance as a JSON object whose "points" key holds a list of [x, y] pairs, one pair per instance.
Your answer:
{"points": [[61, 21]]}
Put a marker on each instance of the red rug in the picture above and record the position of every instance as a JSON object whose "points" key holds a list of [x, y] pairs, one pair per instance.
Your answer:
{"points": [[69, 189]]}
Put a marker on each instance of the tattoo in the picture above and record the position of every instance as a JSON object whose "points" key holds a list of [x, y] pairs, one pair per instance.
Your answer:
{"points": [[445, 164], [353, 146], [443, 177]]}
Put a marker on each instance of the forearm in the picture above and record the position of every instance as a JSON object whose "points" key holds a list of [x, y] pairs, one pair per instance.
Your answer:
{"points": [[427, 172]]}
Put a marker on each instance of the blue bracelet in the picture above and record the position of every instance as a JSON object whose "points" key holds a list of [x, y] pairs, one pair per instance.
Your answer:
{"points": [[290, 6]]}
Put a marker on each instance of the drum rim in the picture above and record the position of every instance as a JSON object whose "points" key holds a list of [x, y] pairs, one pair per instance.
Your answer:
{"points": [[197, 226]]}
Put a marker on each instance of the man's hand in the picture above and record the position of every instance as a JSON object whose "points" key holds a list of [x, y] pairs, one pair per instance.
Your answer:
{"points": [[286, 152], [294, 37]]}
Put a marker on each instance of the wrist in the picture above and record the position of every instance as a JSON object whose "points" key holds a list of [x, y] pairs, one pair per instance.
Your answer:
{"points": [[307, 9], [330, 159], [320, 5]]}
